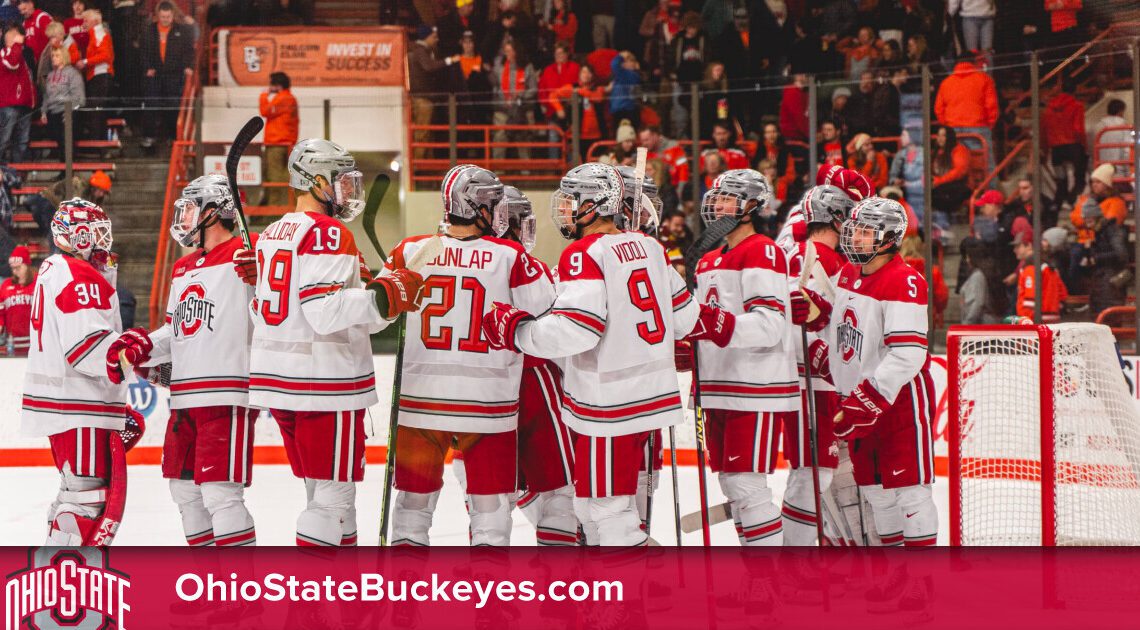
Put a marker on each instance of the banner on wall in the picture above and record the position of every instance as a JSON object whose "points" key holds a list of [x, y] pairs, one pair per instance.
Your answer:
{"points": [[342, 57]]}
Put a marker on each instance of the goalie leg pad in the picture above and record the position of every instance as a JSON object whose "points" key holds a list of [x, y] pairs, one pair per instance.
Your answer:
{"points": [[615, 518], [888, 516], [759, 517], [411, 518], [232, 522], [325, 520], [490, 519], [920, 516], [196, 522], [799, 517], [75, 512], [552, 514]]}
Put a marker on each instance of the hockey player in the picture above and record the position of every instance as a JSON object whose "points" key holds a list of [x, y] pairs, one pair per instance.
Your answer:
{"points": [[854, 183], [75, 319], [619, 308], [459, 392], [311, 359], [748, 388], [881, 368], [16, 302], [208, 451], [824, 208]]}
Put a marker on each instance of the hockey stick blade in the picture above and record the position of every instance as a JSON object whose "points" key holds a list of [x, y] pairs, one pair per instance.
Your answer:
{"points": [[431, 248], [252, 127], [717, 514], [712, 236], [376, 194]]}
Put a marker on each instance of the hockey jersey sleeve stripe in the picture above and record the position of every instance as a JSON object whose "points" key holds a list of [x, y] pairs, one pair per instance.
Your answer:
{"points": [[621, 413], [80, 350], [905, 339], [461, 408], [318, 291], [766, 301], [585, 319], [681, 300], [747, 390], [204, 386], [63, 407]]}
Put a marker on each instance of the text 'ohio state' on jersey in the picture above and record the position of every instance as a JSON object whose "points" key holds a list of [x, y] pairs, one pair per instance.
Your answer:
{"points": [[16, 312], [75, 318], [452, 380], [831, 263], [207, 331], [312, 318], [620, 306], [754, 372], [879, 326]]}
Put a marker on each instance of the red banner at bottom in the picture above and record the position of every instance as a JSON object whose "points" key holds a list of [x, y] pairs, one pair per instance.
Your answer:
{"points": [[577, 588]]}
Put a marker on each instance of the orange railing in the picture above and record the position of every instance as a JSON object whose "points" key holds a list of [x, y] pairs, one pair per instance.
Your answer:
{"points": [[1121, 320], [427, 162], [1000, 168]]}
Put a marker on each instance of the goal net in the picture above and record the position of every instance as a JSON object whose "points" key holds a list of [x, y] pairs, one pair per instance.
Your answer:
{"points": [[1044, 438]]}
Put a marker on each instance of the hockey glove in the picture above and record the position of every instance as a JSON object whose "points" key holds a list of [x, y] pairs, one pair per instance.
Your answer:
{"points": [[500, 324], [810, 310], [818, 360], [133, 345], [713, 324], [245, 265], [397, 292], [859, 412], [365, 273], [683, 355]]}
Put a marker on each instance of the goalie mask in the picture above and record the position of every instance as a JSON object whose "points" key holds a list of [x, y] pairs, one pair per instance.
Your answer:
{"points": [[521, 224], [82, 229], [649, 217], [204, 201], [468, 190], [826, 204], [315, 158], [732, 194], [593, 189], [876, 226]]}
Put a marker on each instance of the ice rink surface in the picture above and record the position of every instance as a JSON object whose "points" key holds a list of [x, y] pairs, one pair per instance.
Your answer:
{"points": [[276, 498]]}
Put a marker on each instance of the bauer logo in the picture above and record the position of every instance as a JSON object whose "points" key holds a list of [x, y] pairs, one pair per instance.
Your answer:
{"points": [[193, 311], [67, 587], [850, 339]]}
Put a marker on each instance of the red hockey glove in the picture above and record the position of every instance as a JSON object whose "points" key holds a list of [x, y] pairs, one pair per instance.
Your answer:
{"points": [[245, 265], [713, 324], [810, 310], [500, 324], [683, 355], [818, 361], [134, 345], [365, 273], [397, 292], [859, 412]]}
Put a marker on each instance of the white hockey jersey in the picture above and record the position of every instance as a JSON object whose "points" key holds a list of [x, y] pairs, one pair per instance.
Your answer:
{"points": [[831, 263], [879, 326], [620, 306], [312, 319], [75, 318], [207, 331], [452, 380], [755, 371]]}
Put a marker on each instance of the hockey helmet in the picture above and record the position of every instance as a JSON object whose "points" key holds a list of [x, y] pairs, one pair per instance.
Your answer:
{"points": [[467, 189], [591, 188], [317, 157], [732, 191], [650, 215], [876, 226], [81, 228], [826, 204], [203, 200], [520, 216]]}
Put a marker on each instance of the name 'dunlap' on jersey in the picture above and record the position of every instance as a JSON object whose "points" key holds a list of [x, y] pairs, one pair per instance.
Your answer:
{"points": [[193, 311], [454, 257]]}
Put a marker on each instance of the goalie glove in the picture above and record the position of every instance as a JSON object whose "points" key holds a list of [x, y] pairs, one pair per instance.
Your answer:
{"points": [[397, 292], [134, 346], [713, 324], [859, 412], [810, 310], [245, 266], [500, 325], [818, 360]]}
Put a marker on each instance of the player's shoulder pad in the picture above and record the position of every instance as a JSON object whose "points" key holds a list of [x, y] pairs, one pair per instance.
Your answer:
{"points": [[185, 264], [524, 269], [397, 257], [902, 283], [576, 262], [327, 236]]}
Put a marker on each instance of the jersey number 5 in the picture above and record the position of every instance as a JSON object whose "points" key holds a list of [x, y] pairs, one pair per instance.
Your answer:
{"points": [[474, 341], [641, 295]]}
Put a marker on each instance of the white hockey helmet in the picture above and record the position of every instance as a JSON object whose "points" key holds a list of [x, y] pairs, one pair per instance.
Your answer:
{"points": [[467, 190], [826, 204], [732, 191], [589, 188], [81, 228], [204, 200], [650, 215], [520, 217], [876, 226], [317, 157]]}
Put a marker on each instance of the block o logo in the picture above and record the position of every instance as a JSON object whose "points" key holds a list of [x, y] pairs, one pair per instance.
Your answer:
{"points": [[66, 587]]}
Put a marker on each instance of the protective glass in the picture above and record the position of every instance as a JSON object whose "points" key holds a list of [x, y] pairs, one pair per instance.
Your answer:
{"points": [[501, 218], [528, 231], [184, 225], [564, 211], [717, 204], [349, 187]]}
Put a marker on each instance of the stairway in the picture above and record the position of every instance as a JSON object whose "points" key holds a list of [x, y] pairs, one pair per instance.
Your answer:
{"points": [[135, 208]]}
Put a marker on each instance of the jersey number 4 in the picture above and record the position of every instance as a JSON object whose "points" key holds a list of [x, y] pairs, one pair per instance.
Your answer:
{"points": [[474, 341]]}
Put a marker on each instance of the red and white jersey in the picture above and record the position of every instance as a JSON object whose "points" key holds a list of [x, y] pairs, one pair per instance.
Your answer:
{"points": [[754, 372], [452, 380], [831, 262], [207, 331], [312, 318], [879, 326], [620, 306], [16, 312], [75, 318]]}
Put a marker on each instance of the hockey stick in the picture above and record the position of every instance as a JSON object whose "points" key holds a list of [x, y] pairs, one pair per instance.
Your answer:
{"points": [[700, 431], [676, 492], [252, 127], [425, 254], [372, 208], [638, 187], [712, 236], [716, 514], [813, 433]]}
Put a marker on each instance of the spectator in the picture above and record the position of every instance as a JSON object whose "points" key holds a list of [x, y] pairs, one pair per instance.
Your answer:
{"points": [[676, 237], [724, 141], [624, 87], [57, 38], [1063, 21], [983, 295], [1055, 251], [671, 154], [1063, 132], [43, 204], [35, 27], [98, 189], [1102, 194], [1053, 291], [977, 22], [837, 19], [592, 99], [871, 163], [624, 151], [659, 26], [168, 60], [127, 47], [967, 101], [16, 303], [686, 67], [515, 88], [470, 82], [63, 85], [714, 97], [911, 251], [716, 16], [712, 165], [773, 149], [99, 68], [767, 168], [861, 52], [73, 26], [861, 111], [425, 76], [455, 23], [907, 171], [278, 107], [890, 56], [1119, 135], [839, 112], [829, 148], [917, 54], [794, 110], [563, 71], [513, 26], [1105, 258], [563, 24], [656, 170], [950, 167], [603, 22], [987, 226], [17, 96]]}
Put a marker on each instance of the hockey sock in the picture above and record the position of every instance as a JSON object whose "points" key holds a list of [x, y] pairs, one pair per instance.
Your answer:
{"points": [[323, 523], [552, 514], [232, 522], [196, 521], [491, 520], [411, 518], [758, 516], [615, 518], [920, 516], [798, 514], [888, 516]]}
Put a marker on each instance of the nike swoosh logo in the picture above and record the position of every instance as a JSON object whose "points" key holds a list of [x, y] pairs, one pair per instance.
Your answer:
{"points": [[911, 514], [207, 468], [898, 472], [734, 458]]}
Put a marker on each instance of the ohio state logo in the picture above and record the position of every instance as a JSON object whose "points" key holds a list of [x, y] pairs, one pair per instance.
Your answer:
{"points": [[850, 339], [712, 298], [63, 587], [193, 311]]}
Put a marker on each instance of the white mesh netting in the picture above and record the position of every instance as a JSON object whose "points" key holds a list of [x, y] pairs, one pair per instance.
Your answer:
{"points": [[1096, 445]]}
